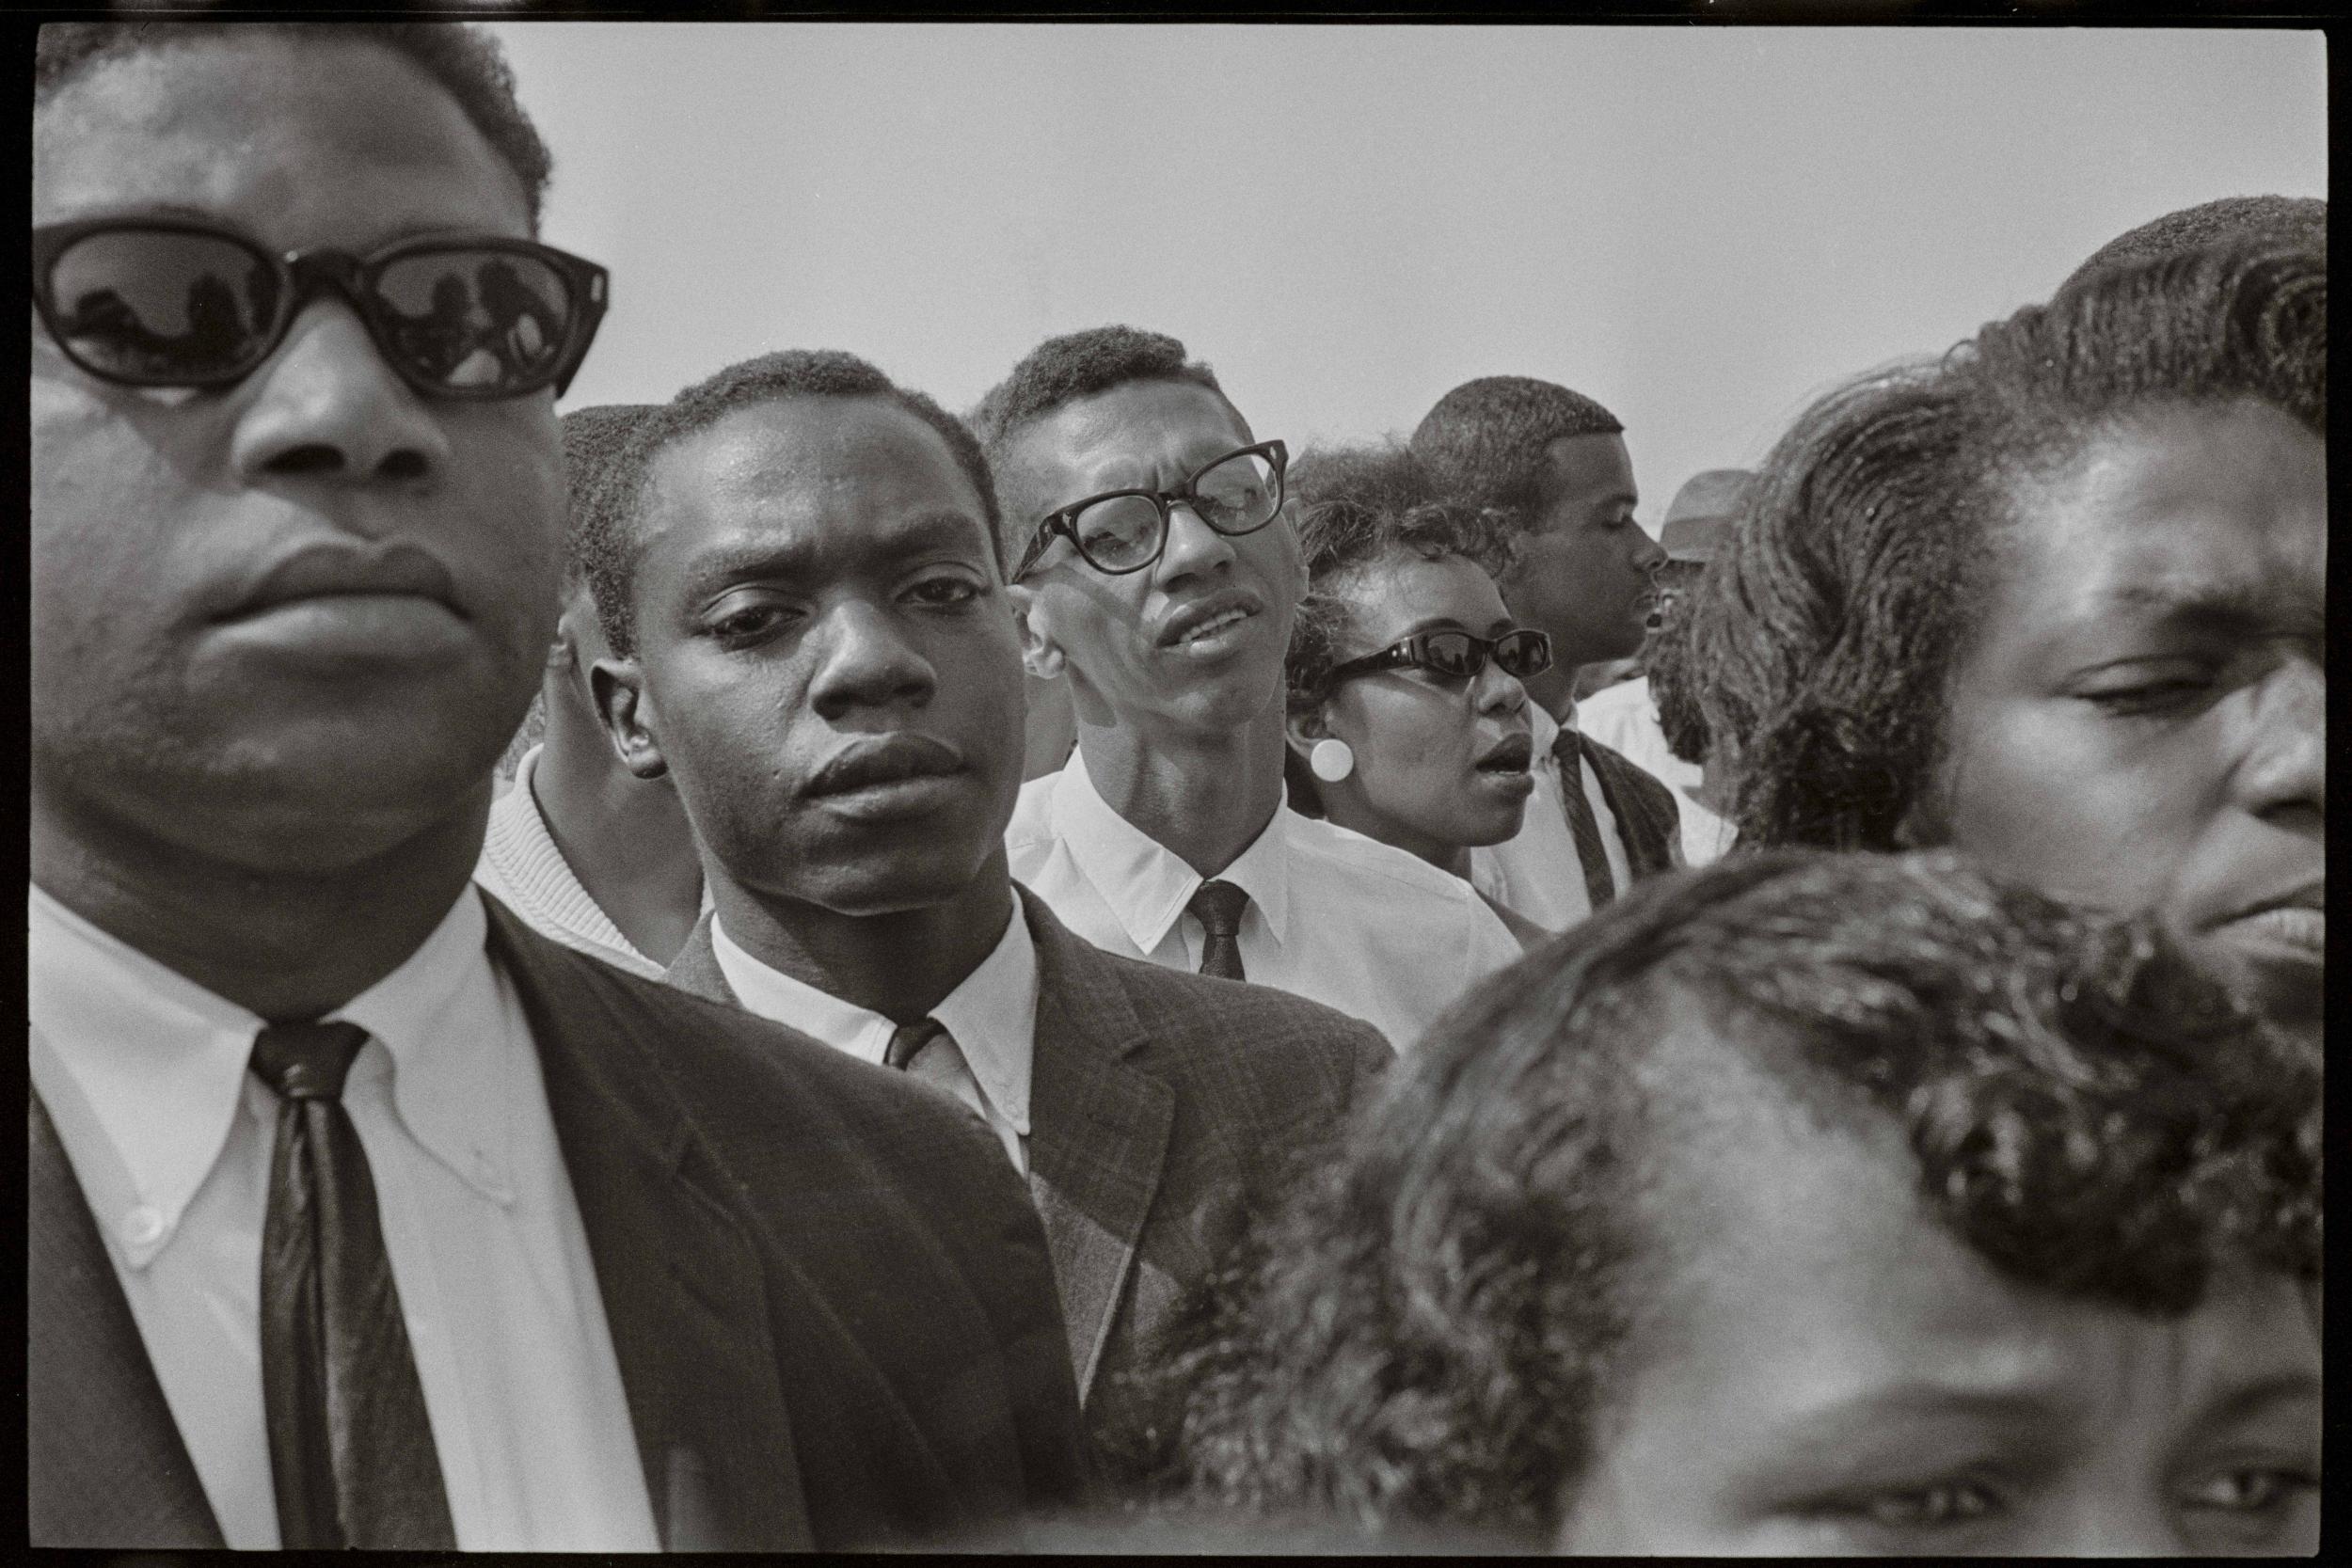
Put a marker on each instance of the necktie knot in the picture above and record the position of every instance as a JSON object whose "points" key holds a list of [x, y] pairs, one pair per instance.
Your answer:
{"points": [[908, 1040], [1218, 906], [307, 1061]]}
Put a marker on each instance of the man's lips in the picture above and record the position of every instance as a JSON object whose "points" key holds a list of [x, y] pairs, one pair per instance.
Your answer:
{"points": [[1234, 604], [344, 569], [871, 761], [2295, 919], [1513, 754]]}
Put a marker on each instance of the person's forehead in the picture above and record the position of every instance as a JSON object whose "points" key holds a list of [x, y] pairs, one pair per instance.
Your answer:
{"points": [[1595, 464], [2196, 510], [302, 142], [826, 469], [1139, 432], [1405, 589]]}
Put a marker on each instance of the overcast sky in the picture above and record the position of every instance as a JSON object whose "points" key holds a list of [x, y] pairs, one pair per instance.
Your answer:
{"points": [[1700, 227]]}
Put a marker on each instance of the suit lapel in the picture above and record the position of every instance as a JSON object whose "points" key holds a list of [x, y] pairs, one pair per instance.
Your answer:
{"points": [[1639, 819], [696, 967], [1099, 1129], [682, 1284], [106, 1465]]}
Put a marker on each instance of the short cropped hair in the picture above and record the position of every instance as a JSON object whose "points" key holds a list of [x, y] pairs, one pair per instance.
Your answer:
{"points": [[1485, 441], [593, 440], [466, 61], [1435, 1326], [1358, 508], [1064, 370], [1826, 629], [2276, 222], [609, 545]]}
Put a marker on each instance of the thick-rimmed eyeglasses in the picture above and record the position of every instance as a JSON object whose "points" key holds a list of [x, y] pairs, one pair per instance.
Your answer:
{"points": [[1125, 530], [173, 302], [1522, 654]]}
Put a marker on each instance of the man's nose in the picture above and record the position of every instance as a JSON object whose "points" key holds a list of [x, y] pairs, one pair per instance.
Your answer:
{"points": [[1193, 546], [867, 661], [2283, 776], [326, 406]]}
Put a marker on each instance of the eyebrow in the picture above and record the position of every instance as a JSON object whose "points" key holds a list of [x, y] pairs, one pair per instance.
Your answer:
{"points": [[755, 556], [2277, 1388], [1450, 623], [2229, 607]]}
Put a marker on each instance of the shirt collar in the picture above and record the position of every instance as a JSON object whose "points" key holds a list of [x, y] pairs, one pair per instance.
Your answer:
{"points": [[157, 1063], [439, 1016], [992, 1013], [1146, 886]]}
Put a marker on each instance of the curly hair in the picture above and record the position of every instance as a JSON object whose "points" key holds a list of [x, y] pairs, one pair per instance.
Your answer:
{"points": [[1063, 371], [466, 61], [606, 541], [1485, 441], [2276, 222], [1433, 1328], [1827, 626]]}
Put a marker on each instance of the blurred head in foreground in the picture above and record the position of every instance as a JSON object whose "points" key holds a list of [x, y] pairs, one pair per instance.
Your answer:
{"points": [[1803, 1204], [2056, 600]]}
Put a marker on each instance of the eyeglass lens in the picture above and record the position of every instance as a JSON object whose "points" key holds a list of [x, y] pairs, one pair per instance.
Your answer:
{"points": [[1459, 653], [1235, 496], [157, 307]]}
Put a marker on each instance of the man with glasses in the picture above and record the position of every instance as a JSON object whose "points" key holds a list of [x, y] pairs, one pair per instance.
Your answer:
{"points": [[797, 566], [1553, 463], [359, 1214], [1154, 570]]}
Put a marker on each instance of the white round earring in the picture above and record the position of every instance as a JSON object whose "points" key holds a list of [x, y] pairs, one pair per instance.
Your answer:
{"points": [[1330, 760]]}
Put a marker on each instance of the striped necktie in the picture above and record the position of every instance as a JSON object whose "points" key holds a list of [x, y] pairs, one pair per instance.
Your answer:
{"points": [[1568, 752]]}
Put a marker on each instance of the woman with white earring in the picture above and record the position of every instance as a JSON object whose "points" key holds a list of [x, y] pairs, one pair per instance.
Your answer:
{"points": [[1407, 722]]}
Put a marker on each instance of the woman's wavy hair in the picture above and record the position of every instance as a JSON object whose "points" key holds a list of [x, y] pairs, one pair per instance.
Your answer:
{"points": [[1429, 1329], [1826, 629], [1359, 507]]}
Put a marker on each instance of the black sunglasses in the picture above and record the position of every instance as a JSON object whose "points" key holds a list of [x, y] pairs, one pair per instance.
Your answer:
{"points": [[1458, 655], [172, 302], [1125, 530]]}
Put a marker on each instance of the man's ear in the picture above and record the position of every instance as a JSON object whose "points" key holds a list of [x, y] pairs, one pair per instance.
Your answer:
{"points": [[627, 709], [1039, 654]]}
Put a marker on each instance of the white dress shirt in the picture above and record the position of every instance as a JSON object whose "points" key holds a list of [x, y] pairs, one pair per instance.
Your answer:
{"points": [[1625, 719], [1334, 917], [145, 1074], [524, 869], [1537, 874], [991, 1015]]}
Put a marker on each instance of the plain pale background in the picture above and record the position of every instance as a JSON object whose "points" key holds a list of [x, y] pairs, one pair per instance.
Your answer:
{"points": [[1700, 227]]}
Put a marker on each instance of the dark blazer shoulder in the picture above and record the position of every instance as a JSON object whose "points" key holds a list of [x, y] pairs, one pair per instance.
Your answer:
{"points": [[1197, 1025]]}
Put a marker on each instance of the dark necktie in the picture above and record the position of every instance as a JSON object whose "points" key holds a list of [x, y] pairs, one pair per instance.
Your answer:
{"points": [[1218, 906], [1568, 752], [908, 1040], [350, 1449]]}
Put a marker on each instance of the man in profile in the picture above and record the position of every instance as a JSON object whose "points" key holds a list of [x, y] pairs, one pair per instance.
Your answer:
{"points": [[591, 855], [797, 568], [1627, 718], [359, 1214], [1554, 463], [1155, 571]]}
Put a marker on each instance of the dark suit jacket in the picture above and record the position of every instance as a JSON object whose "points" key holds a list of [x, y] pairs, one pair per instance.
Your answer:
{"points": [[1644, 805], [1158, 1101], [834, 1313]]}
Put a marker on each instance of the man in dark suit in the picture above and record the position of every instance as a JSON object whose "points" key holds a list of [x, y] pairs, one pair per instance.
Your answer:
{"points": [[1553, 463], [360, 1213], [797, 566]]}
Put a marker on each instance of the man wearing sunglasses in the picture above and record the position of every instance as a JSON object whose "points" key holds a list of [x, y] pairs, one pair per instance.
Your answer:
{"points": [[1154, 570], [359, 1214], [798, 566], [1553, 463]]}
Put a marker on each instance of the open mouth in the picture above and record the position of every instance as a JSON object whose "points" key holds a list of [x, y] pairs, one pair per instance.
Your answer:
{"points": [[1208, 619], [1513, 754], [2298, 920]]}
